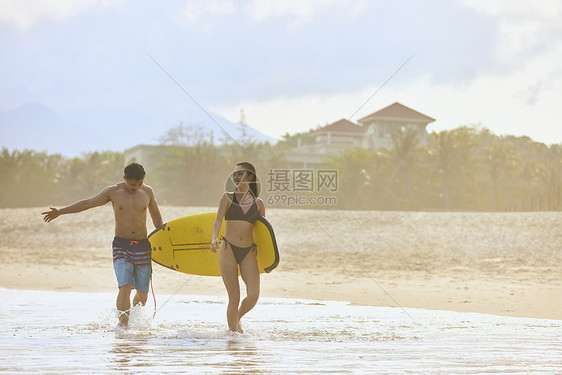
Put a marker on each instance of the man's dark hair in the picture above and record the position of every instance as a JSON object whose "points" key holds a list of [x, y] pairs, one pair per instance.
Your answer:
{"points": [[134, 171]]}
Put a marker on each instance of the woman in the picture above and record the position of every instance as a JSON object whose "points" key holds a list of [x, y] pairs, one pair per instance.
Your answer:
{"points": [[240, 210]]}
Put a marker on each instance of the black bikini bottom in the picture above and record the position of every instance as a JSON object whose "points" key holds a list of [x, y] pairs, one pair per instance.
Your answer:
{"points": [[240, 252]]}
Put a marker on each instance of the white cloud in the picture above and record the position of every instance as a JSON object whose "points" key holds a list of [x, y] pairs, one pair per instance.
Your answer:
{"points": [[524, 25], [202, 10], [522, 98], [25, 14], [506, 103], [543, 8], [518, 95], [301, 11]]}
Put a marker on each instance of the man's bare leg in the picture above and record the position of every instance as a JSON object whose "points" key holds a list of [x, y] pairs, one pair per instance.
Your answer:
{"points": [[140, 297], [124, 304]]}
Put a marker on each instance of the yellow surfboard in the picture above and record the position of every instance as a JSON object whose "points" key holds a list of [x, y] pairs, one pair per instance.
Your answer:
{"points": [[184, 245]]}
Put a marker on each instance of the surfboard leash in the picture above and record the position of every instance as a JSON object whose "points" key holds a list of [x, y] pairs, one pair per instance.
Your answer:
{"points": [[153, 296]]}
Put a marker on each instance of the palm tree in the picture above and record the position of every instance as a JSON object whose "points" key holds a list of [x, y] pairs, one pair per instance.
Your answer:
{"points": [[361, 179], [499, 162], [552, 177], [403, 159], [526, 186], [449, 155]]}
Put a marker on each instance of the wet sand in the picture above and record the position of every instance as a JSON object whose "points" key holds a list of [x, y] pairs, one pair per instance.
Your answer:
{"points": [[497, 263]]}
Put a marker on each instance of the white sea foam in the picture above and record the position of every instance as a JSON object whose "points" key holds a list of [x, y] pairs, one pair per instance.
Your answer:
{"points": [[52, 332]]}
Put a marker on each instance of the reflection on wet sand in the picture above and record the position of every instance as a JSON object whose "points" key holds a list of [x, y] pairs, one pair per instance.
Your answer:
{"points": [[244, 356], [128, 350]]}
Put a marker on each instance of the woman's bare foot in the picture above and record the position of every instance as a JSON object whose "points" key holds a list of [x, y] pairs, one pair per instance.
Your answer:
{"points": [[236, 327]]}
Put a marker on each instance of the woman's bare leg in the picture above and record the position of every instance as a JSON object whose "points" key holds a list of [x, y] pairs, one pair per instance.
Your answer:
{"points": [[229, 271], [251, 276]]}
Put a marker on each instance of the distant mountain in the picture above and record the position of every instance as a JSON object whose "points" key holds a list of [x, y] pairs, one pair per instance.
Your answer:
{"points": [[35, 126]]}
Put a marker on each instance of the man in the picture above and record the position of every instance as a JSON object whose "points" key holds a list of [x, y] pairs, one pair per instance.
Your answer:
{"points": [[131, 249]]}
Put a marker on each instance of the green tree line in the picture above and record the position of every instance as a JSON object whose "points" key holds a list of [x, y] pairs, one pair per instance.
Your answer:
{"points": [[31, 179], [465, 168], [460, 169]]}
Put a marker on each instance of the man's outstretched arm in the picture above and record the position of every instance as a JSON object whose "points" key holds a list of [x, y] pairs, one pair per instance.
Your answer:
{"points": [[82, 205]]}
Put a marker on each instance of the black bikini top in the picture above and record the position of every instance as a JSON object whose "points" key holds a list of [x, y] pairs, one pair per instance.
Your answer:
{"points": [[235, 211]]}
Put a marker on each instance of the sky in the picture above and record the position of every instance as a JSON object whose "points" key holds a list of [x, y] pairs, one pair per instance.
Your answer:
{"points": [[291, 65]]}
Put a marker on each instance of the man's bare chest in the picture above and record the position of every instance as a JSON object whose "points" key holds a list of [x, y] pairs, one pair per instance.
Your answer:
{"points": [[124, 202]]}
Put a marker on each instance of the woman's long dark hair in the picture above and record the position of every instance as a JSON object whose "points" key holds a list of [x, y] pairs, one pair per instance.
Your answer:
{"points": [[249, 168]]}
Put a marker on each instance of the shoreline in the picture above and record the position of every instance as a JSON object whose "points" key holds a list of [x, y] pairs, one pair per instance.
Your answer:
{"points": [[495, 297]]}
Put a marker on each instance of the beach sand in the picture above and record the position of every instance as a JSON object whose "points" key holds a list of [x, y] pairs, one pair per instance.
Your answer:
{"points": [[498, 263]]}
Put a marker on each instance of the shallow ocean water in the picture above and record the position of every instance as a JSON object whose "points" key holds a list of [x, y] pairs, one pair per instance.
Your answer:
{"points": [[75, 333]]}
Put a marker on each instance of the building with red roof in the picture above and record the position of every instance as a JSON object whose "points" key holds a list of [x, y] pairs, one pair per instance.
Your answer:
{"points": [[381, 125], [373, 132]]}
